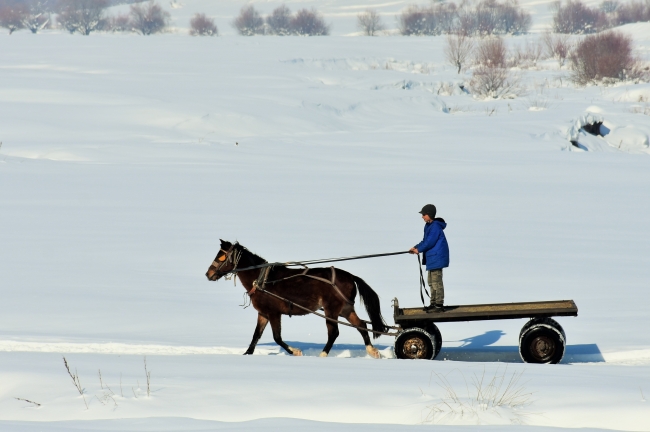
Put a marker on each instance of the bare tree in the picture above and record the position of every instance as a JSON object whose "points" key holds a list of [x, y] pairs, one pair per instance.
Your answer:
{"points": [[149, 18], [458, 50], [201, 25], [37, 16], [249, 22], [370, 22], [309, 23], [279, 21], [416, 21], [488, 81], [83, 16], [12, 16]]}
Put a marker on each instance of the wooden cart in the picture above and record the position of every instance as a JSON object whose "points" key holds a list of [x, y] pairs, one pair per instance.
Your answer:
{"points": [[541, 340]]}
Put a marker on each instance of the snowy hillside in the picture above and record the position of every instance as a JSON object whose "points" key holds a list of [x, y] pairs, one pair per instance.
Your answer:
{"points": [[124, 160]]}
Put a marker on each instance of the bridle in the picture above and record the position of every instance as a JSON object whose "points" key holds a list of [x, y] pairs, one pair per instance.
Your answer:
{"points": [[232, 256]]}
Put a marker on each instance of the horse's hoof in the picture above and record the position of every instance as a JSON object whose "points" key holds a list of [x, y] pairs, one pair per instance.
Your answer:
{"points": [[322, 354], [373, 352], [296, 352]]}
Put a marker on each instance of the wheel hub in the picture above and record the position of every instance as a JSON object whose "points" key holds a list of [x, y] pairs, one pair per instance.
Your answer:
{"points": [[414, 348], [542, 348]]}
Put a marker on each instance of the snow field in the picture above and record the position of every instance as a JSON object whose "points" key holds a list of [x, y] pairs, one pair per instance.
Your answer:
{"points": [[124, 159]]}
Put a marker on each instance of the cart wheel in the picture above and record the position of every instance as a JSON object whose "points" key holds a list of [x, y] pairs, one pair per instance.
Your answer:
{"points": [[415, 343], [433, 330], [542, 340]]}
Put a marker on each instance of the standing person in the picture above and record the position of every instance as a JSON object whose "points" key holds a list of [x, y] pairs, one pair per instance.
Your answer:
{"points": [[435, 250]]}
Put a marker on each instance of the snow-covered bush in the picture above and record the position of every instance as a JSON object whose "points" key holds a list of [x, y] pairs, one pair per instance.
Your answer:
{"points": [[420, 20], [604, 57], [527, 54], [369, 22], [149, 18], [309, 23], [493, 82], [12, 16], [249, 22], [279, 22], [82, 16], [201, 25], [576, 18]]}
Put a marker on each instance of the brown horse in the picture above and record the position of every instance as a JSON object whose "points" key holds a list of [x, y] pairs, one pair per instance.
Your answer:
{"points": [[332, 289]]}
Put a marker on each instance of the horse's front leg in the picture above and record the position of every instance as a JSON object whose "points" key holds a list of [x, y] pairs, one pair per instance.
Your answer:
{"points": [[276, 326], [259, 329], [332, 332]]}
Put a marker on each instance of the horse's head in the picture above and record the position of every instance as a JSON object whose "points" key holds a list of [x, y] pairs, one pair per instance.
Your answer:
{"points": [[225, 261]]}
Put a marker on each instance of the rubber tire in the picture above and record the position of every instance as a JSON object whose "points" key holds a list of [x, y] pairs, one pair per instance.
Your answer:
{"points": [[548, 321], [542, 341], [425, 343], [433, 330]]}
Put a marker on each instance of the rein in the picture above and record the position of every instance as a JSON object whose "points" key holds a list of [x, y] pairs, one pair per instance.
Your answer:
{"points": [[318, 261]]}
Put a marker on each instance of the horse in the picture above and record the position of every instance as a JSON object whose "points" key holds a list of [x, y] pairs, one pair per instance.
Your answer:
{"points": [[331, 288]]}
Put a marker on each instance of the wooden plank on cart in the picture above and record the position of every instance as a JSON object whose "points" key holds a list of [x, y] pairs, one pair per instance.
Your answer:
{"points": [[488, 312]]}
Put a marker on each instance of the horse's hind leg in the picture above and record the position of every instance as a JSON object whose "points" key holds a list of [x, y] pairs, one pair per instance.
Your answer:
{"points": [[276, 326], [332, 333], [354, 319], [259, 329]]}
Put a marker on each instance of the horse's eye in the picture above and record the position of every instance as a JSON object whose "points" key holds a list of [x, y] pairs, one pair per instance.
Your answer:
{"points": [[222, 258]]}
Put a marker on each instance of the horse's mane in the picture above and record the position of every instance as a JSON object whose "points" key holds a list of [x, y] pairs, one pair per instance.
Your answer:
{"points": [[256, 259]]}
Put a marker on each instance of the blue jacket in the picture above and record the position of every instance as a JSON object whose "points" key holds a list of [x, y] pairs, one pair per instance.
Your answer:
{"points": [[434, 245]]}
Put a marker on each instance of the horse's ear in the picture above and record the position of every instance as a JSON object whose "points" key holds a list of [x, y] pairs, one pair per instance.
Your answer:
{"points": [[222, 241]]}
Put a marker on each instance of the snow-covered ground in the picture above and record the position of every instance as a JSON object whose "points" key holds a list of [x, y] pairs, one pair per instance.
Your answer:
{"points": [[125, 158]]}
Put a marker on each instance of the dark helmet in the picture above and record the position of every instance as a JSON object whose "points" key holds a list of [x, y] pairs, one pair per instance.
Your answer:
{"points": [[429, 210]]}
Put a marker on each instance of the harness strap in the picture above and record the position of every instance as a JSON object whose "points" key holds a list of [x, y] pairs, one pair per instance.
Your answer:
{"points": [[323, 316], [331, 282]]}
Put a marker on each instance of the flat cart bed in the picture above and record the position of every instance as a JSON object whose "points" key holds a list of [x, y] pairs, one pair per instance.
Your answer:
{"points": [[543, 309]]}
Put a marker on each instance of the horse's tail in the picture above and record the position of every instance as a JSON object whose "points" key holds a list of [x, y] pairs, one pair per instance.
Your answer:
{"points": [[370, 300]]}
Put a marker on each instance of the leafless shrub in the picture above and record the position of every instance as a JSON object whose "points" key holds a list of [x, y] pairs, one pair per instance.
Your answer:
{"points": [[488, 395], [201, 25], [604, 57], [12, 16], [279, 22], [83, 16], [608, 6], [149, 18], [309, 23], [634, 11], [458, 50], [369, 22], [119, 23], [75, 381], [557, 46], [416, 21], [488, 17], [435, 20], [493, 82], [576, 18], [527, 55], [491, 52], [249, 22]]}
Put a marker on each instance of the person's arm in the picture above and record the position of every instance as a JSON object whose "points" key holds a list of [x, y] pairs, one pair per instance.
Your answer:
{"points": [[429, 241]]}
